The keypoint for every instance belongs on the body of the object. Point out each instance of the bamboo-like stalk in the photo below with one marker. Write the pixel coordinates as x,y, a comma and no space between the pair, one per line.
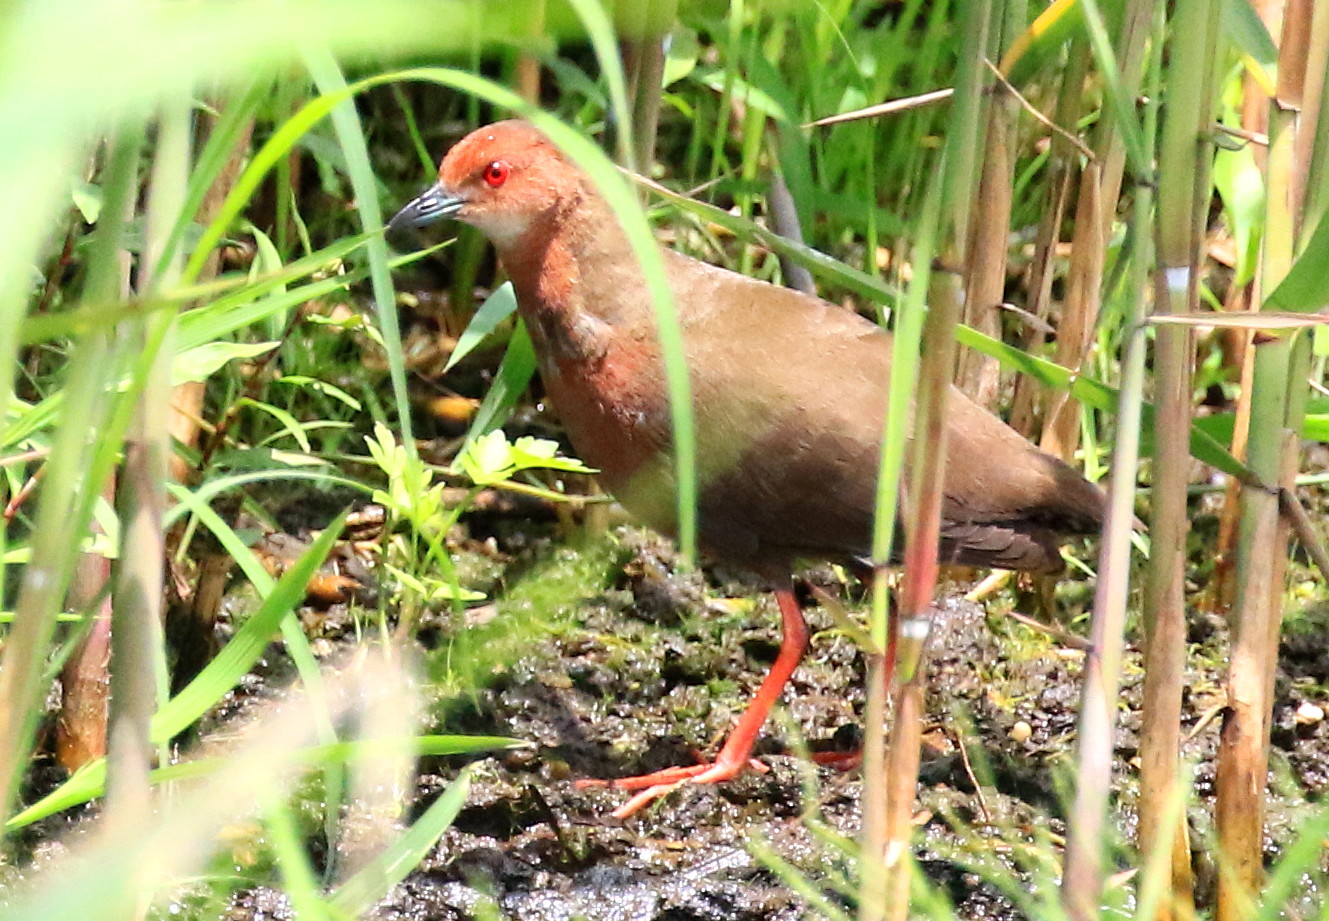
187,399
1242,762
1063,167
901,775
926,490
193,632
1061,424
1082,879
526,79
1241,343
1061,419
1082,885
644,61
888,824
1316,115
1184,191
878,884
872,870
1262,545
80,730
987,243
1221,589
1164,845
137,612
69,485
1313,61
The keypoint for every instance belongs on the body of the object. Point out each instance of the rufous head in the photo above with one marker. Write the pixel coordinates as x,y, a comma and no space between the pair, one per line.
501,179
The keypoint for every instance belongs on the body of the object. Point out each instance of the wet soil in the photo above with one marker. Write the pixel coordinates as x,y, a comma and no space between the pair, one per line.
612,661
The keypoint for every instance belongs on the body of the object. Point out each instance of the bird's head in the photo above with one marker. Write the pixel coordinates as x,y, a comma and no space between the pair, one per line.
501,179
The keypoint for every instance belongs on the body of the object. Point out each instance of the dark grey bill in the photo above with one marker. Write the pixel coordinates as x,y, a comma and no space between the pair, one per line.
434,204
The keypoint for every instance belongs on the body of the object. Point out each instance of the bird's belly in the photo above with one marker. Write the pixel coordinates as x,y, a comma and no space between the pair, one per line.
746,515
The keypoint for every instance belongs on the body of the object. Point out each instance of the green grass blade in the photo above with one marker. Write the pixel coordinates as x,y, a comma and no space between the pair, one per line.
497,307
351,136
605,44
359,893
1305,287
514,373
216,679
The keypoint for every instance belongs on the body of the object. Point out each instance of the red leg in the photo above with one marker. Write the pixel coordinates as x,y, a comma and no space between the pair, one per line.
737,750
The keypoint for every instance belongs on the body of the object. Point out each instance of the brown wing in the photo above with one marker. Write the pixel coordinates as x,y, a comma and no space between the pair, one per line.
790,413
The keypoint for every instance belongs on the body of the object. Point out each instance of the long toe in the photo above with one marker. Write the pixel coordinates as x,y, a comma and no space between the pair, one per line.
666,777
656,784
653,786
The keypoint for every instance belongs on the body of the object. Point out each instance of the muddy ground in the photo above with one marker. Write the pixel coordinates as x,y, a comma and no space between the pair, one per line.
612,662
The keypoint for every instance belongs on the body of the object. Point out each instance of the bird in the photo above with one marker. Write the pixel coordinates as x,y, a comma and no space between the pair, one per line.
789,395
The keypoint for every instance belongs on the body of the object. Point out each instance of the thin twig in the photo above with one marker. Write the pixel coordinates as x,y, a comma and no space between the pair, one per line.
1296,515
1251,137
1206,718
24,457
995,582
973,778
1039,116
1062,636
885,108
696,189
1030,319
15,503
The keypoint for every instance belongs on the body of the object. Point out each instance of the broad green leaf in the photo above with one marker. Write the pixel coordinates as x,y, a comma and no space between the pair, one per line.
1240,184
487,459
514,373
248,643
490,458
433,590
88,200
604,41
751,95
201,362
1306,285
497,307
1314,424
1244,28
1042,41
681,55
321,386
542,453
328,77
90,782
288,422
1119,103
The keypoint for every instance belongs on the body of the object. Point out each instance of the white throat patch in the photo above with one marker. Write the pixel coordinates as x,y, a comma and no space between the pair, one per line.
503,229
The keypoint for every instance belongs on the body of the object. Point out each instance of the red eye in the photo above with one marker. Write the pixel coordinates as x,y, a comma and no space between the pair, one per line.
496,173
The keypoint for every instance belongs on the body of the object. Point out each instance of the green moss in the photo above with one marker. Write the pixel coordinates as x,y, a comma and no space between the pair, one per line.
552,590
542,601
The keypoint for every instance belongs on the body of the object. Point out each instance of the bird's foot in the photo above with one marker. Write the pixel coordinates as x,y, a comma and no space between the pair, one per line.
656,784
